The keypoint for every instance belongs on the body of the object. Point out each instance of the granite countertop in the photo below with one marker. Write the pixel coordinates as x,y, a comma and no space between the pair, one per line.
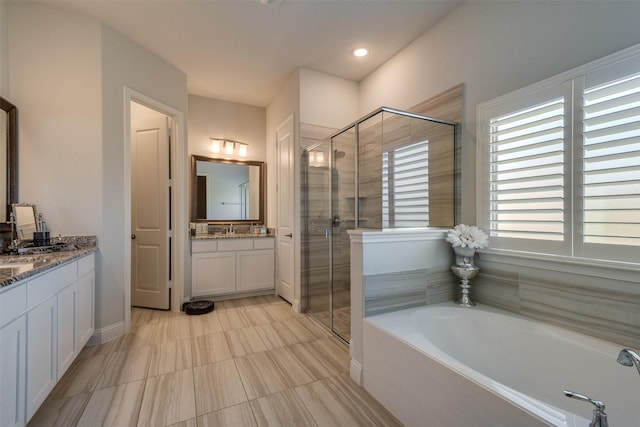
231,236
14,268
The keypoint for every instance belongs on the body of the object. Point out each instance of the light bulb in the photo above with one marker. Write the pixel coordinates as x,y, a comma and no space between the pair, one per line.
243,150
228,147
215,145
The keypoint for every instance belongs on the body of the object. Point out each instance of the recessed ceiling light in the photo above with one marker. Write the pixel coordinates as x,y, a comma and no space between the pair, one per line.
360,52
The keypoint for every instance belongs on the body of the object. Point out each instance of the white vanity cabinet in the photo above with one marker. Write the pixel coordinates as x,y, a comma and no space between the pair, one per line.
13,333
228,266
44,323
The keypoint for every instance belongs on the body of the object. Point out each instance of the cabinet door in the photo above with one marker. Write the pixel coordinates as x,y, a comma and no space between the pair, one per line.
86,302
67,319
12,373
41,353
213,273
255,270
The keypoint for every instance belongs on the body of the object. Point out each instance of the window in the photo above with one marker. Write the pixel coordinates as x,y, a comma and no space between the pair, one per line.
561,164
405,186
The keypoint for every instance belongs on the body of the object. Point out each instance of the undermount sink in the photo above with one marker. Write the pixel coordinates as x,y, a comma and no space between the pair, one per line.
18,267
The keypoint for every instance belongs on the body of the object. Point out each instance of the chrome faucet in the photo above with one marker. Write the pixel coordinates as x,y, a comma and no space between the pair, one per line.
628,357
599,416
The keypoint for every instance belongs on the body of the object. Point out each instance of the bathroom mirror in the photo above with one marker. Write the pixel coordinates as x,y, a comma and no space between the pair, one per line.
24,216
227,191
8,159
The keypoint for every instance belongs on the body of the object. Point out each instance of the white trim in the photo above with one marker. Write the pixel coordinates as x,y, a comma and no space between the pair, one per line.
361,235
179,198
107,333
355,371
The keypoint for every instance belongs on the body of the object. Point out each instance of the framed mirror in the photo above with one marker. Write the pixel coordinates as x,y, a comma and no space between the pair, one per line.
227,191
8,159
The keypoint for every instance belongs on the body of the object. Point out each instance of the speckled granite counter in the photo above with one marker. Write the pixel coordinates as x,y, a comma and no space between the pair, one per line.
231,236
14,268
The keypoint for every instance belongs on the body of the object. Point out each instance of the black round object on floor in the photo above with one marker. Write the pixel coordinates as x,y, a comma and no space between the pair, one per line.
198,307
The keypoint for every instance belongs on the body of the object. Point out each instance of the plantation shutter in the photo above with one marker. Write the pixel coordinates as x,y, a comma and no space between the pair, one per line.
610,163
405,191
527,161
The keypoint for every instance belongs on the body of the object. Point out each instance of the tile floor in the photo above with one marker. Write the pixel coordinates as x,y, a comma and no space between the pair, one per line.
251,362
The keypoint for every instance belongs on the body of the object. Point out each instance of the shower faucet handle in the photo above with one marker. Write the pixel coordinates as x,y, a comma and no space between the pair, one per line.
599,416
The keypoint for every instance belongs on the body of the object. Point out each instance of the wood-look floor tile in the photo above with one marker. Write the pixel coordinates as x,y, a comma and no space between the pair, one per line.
210,348
234,319
175,329
260,374
302,331
301,364
81,377
125,366
168,399
326,407
357,398
114,406
258,301
281,409
205,324
259,315
281,312
218,385
332,351
170,357
244,341
62,412
234,416
191,422
273,335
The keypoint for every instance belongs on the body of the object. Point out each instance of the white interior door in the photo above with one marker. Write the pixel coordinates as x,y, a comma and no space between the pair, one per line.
150,213
285,277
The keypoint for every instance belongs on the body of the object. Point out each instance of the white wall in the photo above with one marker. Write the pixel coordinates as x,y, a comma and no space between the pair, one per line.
68,75
213,118
285,103
327,100
126,64
4,50
496,47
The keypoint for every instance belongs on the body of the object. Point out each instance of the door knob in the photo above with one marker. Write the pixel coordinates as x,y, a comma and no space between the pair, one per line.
133,237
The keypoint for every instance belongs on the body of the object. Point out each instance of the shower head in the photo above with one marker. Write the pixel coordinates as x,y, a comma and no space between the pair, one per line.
628,357
337,155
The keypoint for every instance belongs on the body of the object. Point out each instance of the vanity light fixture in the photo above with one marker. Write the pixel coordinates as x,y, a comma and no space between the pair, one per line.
229,146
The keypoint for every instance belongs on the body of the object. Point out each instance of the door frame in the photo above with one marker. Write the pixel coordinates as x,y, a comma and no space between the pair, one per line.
179,202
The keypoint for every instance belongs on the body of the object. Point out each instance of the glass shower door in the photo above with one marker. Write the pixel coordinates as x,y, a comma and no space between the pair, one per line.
318,220
343,205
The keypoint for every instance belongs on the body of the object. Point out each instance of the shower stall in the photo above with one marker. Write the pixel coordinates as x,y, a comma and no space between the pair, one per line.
390,169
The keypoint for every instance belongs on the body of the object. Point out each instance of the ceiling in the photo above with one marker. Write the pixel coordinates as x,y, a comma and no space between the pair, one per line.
243,50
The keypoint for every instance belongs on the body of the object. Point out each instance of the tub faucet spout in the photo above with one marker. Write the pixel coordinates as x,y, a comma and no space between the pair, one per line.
599,416
628,357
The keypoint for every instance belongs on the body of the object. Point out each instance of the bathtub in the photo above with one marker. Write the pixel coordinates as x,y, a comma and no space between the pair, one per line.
444,365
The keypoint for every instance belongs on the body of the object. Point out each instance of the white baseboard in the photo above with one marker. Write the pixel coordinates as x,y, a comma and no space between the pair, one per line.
107,333
355,371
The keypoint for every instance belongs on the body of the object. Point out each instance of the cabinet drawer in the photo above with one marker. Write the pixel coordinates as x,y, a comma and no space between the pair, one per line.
85,265
235,245
198,246
264,243
50,283
13,303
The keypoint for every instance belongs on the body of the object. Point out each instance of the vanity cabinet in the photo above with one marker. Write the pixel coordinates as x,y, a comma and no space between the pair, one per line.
44,323
13,332
228,266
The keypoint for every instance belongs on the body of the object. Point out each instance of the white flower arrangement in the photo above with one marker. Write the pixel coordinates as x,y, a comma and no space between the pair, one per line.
467,236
